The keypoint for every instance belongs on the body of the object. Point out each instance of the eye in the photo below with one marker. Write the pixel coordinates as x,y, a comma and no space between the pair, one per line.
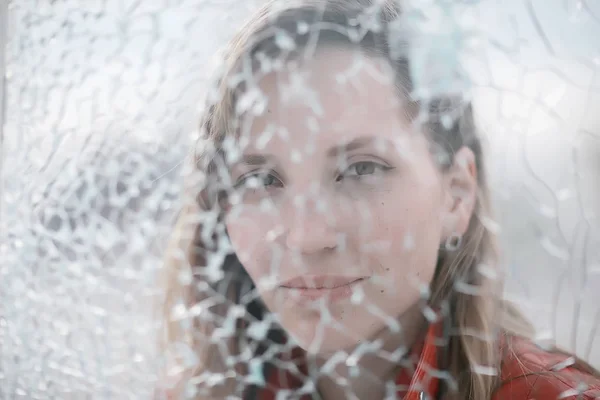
259,179
269,180
362,168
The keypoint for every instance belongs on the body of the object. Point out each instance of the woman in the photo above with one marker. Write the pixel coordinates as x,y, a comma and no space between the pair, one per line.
339,245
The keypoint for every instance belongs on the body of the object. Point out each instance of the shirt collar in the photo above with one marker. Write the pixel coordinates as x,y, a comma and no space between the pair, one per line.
423,384
418,385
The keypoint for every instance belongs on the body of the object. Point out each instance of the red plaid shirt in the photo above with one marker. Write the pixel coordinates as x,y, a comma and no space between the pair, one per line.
527,372
417,385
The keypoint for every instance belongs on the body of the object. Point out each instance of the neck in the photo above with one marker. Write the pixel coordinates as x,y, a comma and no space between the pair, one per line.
366,375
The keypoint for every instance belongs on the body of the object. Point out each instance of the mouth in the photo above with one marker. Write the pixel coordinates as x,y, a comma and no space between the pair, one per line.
333,288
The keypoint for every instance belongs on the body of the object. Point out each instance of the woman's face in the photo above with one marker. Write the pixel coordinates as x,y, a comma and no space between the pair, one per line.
341,208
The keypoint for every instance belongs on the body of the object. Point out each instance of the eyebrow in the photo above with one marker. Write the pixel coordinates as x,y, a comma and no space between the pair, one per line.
254,160
352,145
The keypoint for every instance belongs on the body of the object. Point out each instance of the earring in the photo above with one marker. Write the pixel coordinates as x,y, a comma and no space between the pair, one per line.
453,242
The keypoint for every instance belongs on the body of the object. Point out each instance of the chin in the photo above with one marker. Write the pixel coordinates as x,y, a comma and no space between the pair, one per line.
323,341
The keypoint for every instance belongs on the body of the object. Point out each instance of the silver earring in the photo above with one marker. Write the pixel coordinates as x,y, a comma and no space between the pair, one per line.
453,242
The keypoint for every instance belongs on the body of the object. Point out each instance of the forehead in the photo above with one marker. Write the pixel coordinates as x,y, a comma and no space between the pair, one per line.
336,95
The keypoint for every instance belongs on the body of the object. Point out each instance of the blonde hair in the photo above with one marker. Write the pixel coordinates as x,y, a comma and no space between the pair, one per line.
477,321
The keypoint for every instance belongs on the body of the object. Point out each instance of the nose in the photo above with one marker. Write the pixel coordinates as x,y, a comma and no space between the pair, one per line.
309,229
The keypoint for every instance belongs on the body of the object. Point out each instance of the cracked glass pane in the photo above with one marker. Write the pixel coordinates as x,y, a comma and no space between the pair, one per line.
299,199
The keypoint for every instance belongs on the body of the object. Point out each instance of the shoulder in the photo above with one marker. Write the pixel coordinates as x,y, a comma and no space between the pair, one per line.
530,372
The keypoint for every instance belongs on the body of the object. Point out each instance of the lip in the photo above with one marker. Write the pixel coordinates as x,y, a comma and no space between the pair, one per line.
314,287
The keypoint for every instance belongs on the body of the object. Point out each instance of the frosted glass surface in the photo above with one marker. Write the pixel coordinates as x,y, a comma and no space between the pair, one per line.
101,101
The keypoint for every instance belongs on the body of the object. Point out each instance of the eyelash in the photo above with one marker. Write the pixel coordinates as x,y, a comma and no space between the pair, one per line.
377,167
259,175
262,175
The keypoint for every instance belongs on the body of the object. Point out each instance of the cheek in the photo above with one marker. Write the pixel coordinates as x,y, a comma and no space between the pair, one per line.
412,226
248,232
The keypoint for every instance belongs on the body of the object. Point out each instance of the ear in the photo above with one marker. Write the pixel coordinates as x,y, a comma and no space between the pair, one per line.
460,193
